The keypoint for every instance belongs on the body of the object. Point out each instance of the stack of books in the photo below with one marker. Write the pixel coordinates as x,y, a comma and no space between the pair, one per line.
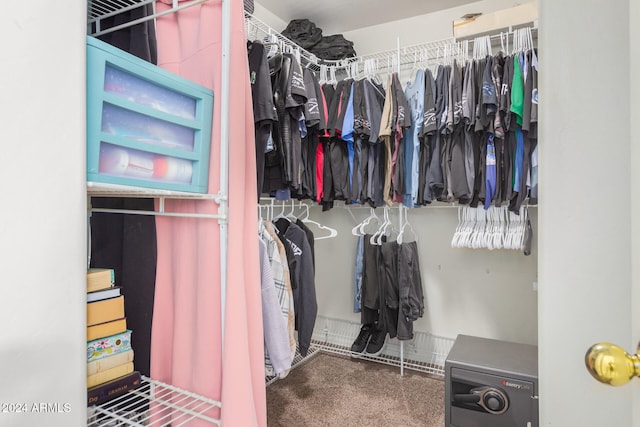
110,371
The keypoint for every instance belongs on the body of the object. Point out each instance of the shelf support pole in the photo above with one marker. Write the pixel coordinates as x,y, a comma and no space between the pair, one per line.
224,154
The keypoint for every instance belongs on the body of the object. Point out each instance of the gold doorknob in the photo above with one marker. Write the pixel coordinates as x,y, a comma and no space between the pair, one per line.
611,365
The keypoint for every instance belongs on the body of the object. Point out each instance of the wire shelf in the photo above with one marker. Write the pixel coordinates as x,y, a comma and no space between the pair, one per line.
401,58
155,403
424,353
98,10
100,189
297,361
257,30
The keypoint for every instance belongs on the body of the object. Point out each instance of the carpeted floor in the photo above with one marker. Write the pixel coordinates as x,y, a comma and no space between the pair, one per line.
335,391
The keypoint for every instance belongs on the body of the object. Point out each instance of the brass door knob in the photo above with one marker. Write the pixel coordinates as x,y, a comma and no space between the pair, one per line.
611,365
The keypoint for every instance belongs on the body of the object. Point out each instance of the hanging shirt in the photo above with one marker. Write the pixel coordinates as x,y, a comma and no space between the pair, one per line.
319,173
505,92
347,134
264,111
517,91
374,102
489,105
468,118
311,107
490,172
427,131
415,100
276,340
402,123
435,179
534,89
519,159
497,70
280,272
304,294
534,176
385,136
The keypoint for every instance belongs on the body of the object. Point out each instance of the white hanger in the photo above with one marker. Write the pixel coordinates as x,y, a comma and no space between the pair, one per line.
469,224
332,73
498,236
455,241
360,229
406,226
376,238
281,214
290,216
332,231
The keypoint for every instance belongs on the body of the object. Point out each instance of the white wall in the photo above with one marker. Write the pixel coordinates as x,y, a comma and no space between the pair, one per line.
43,212
475,292
419,29
586,257
269,18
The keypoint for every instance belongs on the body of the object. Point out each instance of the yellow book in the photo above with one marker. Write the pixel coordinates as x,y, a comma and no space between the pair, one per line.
109,374
105,310
106,329
106,363
100,278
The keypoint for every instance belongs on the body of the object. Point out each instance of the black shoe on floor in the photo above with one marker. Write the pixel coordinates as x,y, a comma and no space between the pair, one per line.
376,343
361,341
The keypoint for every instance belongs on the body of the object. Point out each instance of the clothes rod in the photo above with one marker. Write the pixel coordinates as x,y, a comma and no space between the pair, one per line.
157,213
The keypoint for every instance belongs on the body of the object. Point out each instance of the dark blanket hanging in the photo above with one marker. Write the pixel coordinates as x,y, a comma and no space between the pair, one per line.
127,243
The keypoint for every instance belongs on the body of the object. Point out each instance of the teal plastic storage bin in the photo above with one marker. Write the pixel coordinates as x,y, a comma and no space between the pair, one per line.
146,127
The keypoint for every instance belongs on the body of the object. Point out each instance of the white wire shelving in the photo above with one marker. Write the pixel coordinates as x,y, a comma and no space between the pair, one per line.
155,403
425,353
297,361
98,10
398,59
256,29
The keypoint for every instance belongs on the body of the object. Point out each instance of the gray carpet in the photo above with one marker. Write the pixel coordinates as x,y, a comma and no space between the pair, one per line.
335,391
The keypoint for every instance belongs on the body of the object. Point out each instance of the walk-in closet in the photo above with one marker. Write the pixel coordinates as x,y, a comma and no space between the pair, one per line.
470,283
251,303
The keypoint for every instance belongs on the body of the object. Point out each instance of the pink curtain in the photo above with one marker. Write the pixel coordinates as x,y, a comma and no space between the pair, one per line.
186,346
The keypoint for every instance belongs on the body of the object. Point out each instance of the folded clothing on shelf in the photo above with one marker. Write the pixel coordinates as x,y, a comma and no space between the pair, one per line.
308,36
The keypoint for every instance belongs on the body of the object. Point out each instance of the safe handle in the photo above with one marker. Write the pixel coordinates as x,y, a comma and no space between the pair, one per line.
467,398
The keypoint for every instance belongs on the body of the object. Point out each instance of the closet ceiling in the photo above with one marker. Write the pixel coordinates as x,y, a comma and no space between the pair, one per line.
339,16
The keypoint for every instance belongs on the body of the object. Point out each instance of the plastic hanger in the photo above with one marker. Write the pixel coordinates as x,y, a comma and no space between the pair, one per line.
455,241
360,229
385,230
414,70
281,214
406,226
332,232
323,74
332,75
290,216
374,238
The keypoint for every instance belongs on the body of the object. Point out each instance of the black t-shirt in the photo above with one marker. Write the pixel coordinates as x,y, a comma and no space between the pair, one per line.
311,107
261,91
